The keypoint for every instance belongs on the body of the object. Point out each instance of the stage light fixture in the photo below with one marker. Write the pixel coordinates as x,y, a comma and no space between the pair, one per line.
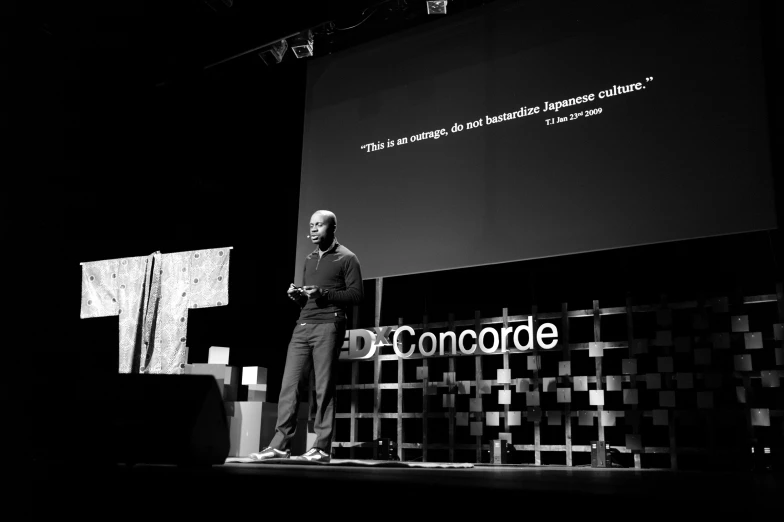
274,53
436,6
302,44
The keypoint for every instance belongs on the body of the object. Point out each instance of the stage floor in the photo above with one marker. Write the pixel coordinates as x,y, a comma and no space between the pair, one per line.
378,492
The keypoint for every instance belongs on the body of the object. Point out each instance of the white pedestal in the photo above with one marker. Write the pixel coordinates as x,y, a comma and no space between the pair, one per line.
218,355
252,426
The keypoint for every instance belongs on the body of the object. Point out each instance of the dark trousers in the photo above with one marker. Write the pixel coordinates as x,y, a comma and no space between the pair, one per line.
316,347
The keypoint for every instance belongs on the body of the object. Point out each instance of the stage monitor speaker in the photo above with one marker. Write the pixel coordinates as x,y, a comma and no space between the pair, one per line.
167,419
385,449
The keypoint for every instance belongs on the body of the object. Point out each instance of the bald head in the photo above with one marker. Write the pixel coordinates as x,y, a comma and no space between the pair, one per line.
322,228
324,216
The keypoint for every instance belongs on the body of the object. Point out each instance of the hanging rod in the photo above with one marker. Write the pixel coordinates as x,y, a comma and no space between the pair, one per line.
80,264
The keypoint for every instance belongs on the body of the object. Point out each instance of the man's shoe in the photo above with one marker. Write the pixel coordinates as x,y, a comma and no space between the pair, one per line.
270,453
314,455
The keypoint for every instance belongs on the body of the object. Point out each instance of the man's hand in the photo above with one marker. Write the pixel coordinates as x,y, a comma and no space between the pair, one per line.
313,291
294,292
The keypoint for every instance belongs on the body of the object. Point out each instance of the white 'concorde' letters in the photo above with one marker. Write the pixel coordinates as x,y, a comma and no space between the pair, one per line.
546,337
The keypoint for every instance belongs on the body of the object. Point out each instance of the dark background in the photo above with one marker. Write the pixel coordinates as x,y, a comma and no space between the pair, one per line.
128,146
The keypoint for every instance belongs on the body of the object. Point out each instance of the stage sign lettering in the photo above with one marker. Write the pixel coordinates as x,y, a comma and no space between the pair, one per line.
406,343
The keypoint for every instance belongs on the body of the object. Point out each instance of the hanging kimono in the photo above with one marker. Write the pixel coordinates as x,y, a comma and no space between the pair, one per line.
151,295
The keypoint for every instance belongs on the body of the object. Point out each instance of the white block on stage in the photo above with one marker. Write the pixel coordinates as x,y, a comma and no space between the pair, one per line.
257,392
251,426
218,355
254,375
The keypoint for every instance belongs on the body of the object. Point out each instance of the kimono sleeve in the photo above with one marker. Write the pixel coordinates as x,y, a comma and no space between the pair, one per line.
209,278
100,289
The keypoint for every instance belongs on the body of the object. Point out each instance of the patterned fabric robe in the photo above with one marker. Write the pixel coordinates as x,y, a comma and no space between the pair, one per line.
152,295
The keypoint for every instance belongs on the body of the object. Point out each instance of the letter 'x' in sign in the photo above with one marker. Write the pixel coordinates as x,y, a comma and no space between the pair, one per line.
382,336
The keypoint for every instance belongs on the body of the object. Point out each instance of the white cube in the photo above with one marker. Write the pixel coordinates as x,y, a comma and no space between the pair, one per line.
254,375
218,355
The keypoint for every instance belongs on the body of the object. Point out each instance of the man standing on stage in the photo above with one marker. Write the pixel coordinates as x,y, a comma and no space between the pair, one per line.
332,281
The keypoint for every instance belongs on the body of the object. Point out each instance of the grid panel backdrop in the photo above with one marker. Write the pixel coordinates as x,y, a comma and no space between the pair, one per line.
666,380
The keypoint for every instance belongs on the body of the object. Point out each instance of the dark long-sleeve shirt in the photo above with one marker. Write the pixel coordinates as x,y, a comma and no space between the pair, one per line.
337,271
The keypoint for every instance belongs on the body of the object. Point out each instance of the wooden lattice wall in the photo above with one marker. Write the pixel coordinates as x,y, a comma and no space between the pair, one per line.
726,362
